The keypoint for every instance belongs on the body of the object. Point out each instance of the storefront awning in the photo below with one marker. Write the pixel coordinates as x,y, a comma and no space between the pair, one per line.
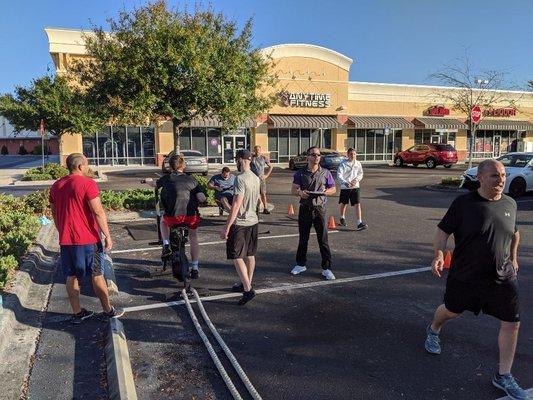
364,122
302,121
505,125
215,122
439,123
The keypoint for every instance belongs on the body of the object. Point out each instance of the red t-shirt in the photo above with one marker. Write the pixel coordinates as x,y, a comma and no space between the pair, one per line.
75,219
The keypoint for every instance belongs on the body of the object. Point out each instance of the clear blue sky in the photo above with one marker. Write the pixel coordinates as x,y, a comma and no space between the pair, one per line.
396,41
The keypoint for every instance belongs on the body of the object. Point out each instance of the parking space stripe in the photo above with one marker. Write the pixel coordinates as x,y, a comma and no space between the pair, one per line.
283,288
210,243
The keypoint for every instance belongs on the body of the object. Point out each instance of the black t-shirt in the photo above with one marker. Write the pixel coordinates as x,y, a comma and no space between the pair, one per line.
483,231
178,194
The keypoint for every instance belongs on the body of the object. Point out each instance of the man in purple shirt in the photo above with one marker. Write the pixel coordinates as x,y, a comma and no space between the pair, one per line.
312,185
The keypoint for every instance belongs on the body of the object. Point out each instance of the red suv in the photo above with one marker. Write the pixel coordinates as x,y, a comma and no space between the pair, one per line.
431,154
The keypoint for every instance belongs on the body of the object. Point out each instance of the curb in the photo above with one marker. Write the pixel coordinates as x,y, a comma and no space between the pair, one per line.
441,188
126,216
102,178
121,385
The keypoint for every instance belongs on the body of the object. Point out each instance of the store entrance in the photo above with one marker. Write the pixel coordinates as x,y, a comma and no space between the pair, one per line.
231,145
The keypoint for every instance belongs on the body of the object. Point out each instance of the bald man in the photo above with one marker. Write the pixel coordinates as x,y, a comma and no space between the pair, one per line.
483,274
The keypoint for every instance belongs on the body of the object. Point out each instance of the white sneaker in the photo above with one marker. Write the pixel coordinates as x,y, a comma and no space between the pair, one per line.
326,273
298,269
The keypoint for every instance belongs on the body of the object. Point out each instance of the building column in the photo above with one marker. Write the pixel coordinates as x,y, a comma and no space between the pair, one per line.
408,138
164,141
69,143
339,136
461,144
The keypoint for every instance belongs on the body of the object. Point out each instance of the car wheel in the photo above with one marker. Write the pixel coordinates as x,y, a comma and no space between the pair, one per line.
431,163
448,166
517,187
398,162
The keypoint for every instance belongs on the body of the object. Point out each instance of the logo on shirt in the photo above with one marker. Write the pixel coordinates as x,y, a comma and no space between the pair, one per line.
507,214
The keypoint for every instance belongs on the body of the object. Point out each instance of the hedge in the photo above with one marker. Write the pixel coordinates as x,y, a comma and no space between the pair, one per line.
50,171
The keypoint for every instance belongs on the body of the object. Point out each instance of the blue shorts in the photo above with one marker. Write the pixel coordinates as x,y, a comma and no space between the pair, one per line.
81,261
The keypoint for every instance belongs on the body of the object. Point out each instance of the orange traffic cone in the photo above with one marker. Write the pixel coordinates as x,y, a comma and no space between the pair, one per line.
291,210
447,259
331,223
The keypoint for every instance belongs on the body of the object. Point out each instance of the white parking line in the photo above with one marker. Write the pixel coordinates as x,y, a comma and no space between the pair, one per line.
209,243
528,391
282,288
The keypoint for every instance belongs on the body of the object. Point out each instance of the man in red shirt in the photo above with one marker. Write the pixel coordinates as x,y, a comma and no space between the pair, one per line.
79,218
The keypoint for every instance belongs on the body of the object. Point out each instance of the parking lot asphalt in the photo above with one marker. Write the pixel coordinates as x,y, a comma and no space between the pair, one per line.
359,339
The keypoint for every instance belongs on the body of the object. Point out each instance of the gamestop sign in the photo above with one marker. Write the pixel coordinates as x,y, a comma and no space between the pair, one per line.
500,112
311,100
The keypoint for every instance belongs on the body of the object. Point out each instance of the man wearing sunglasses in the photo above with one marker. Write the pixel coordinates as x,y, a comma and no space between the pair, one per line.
312,185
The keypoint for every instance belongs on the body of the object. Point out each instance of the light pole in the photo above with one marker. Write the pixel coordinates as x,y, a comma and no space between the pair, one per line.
480,83
387,131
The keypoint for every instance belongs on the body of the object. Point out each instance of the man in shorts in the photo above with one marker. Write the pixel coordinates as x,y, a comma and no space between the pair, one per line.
312,185
223,185
180,195
483,273
241,228
259,165
350,174
80,218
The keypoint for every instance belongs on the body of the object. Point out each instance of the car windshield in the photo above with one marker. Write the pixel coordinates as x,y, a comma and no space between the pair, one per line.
515,160
191,153
444,147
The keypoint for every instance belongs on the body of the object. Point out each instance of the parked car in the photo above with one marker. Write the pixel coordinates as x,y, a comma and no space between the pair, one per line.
330,159
195,162
431,154
518,170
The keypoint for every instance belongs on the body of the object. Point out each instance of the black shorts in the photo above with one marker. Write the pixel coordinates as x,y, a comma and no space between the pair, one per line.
498,300
351,195
242,241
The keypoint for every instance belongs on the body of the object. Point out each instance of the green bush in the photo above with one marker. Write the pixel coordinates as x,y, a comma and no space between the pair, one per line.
50,171
139,199
38,202
7,264
112,200
38,150
22,151
4,150
450,181
209,193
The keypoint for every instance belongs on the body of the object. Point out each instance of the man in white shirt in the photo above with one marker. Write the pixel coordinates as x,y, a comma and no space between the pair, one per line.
349,174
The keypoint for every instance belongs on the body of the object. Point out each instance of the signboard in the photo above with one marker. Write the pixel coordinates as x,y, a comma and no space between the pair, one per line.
311,100
437,111
475,114
500,112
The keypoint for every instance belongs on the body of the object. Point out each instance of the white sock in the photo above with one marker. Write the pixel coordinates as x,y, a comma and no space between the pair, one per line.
194,264
165,241
359,221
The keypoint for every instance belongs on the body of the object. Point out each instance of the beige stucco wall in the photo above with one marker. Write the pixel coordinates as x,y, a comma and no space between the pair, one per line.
70,143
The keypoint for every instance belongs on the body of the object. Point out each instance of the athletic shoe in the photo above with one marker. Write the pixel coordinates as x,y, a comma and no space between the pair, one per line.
237,288
298,269
114,313
166,252
194,274
432,344
342,221
326,273
246,297
81,316
507,383
361,226
265,211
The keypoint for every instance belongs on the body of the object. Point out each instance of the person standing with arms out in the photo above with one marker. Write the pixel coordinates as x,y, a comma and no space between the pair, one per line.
312,185
259,164
223,184
80,218
483,274
180,195
241,228
350,174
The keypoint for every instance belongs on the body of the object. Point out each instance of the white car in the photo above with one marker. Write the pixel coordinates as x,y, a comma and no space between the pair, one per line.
518,169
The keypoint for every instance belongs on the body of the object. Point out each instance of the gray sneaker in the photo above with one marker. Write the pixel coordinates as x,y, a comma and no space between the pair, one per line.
432,344
508,384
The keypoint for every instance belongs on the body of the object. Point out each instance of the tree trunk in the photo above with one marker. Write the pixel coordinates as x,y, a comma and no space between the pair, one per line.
176,132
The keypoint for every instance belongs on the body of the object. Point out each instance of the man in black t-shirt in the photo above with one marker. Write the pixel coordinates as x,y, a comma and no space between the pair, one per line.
180,195
483,273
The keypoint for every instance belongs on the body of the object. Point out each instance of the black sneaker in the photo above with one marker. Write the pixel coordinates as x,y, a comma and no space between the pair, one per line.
194,274
342,221
265,211
361,226
166,252
114,313
237,288
246,297
81,316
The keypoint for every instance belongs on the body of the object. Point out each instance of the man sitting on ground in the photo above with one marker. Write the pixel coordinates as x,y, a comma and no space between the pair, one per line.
180,195
223,185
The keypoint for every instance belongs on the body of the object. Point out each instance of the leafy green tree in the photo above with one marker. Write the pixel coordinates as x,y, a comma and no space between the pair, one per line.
157,64
530,84
52,99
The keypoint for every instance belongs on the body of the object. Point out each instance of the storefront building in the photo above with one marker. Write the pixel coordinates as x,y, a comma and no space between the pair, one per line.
318,105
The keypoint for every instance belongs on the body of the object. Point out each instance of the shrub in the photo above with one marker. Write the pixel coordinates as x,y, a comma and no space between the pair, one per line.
22,151
56,171
450,181
209,193
112,200
7,264
50,171
38,202
4,150
38,150
139,199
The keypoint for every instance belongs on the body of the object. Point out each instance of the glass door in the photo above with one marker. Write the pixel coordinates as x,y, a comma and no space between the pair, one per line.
231,145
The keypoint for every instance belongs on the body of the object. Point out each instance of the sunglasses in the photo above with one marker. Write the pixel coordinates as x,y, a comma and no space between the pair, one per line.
315,155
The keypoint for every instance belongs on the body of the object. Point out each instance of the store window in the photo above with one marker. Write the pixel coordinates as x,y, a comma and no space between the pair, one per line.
286,143
373,144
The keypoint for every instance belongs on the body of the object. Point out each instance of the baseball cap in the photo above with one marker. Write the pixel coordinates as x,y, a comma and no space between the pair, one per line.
244,154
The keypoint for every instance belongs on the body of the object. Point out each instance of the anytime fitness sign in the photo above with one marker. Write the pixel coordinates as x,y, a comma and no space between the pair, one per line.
314,100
